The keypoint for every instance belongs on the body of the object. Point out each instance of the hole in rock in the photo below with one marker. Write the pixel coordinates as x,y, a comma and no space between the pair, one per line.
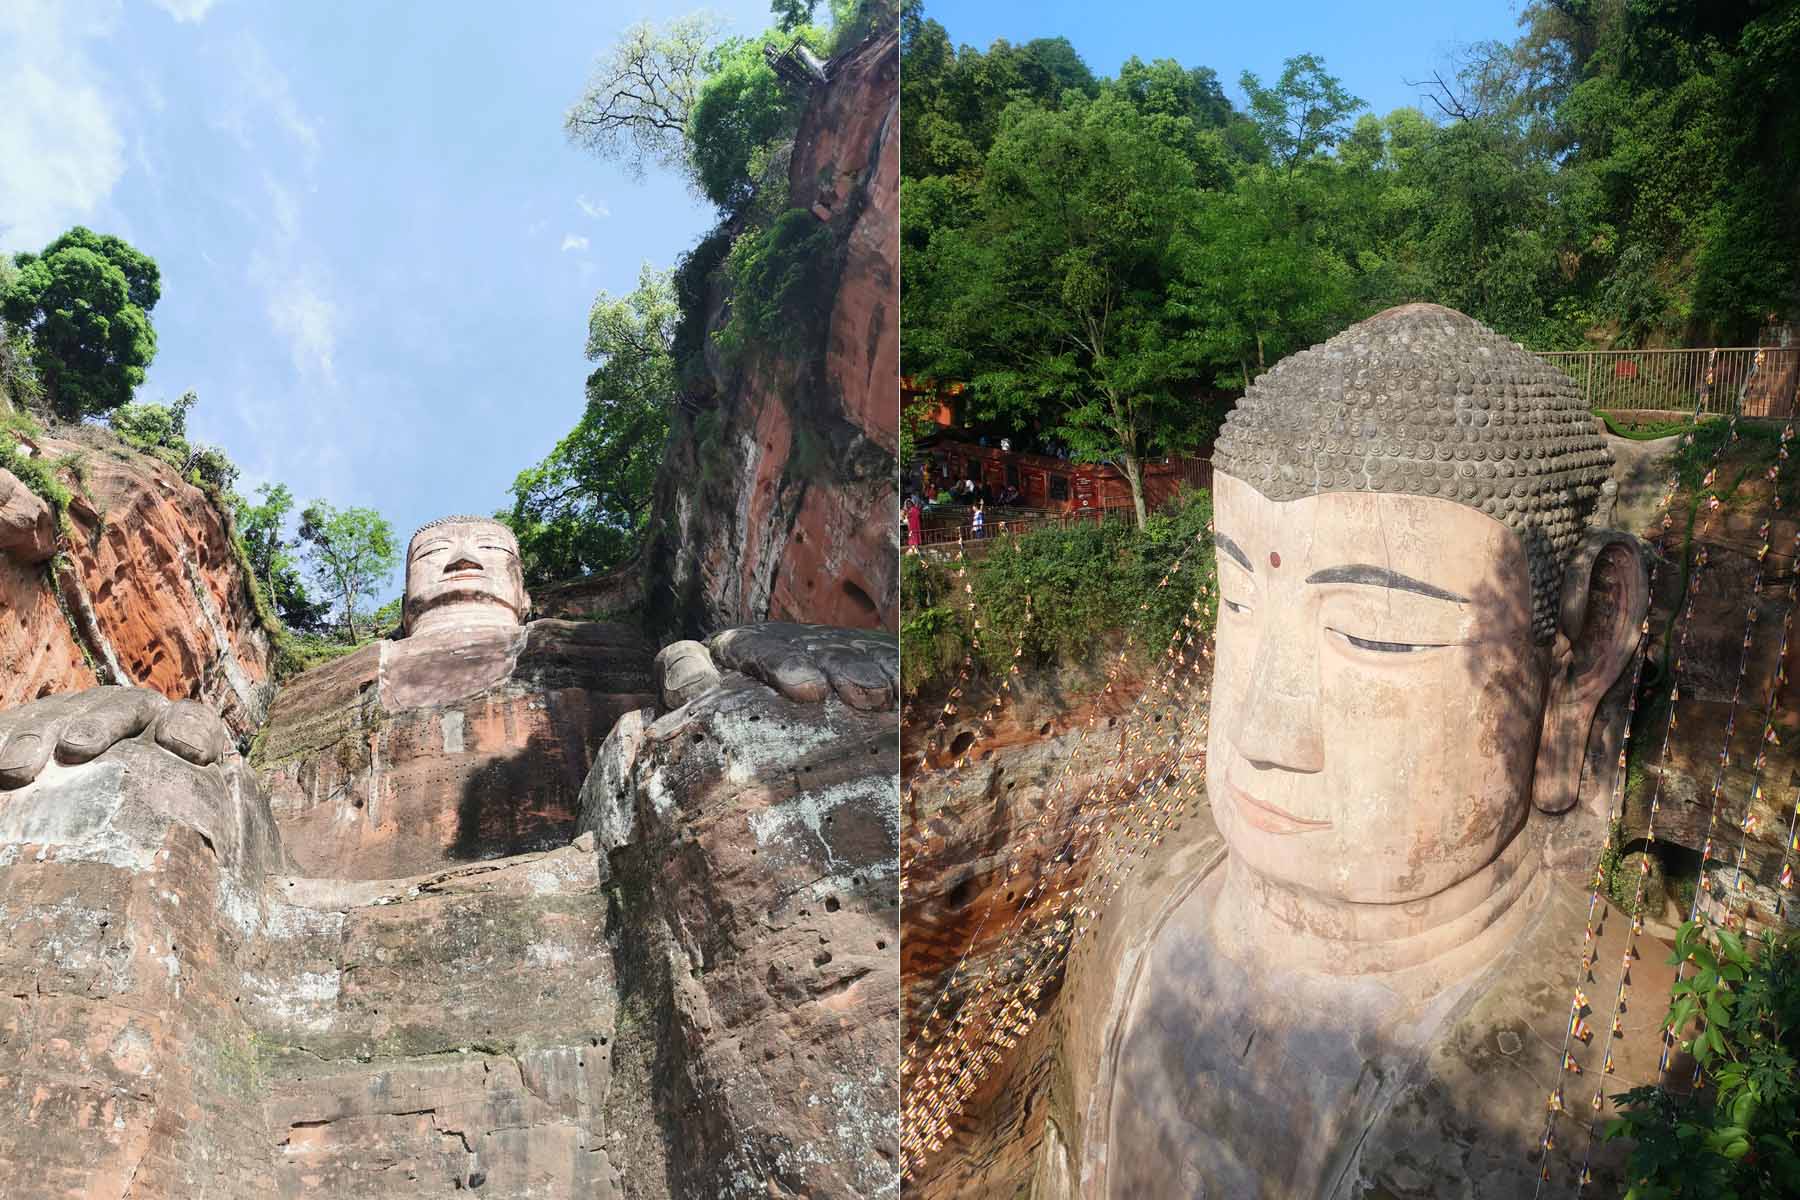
821,958
881,943
963,741
831,904
864,604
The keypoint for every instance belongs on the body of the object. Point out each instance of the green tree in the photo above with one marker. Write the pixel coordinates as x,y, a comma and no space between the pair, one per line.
1306,113
349,552
263,528
583,508
740,115
1062,310
85,300
1256,278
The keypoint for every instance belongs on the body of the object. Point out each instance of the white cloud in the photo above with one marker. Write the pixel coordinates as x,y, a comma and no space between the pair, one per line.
297,295
574,242
284,211
186,10
262,89
61,147
308,320
594,208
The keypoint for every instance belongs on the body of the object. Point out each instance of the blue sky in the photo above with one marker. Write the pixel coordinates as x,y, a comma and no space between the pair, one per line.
1372,47
378,250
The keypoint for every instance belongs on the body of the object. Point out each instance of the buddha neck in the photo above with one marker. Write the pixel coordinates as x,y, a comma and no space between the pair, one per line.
1417,947
462,617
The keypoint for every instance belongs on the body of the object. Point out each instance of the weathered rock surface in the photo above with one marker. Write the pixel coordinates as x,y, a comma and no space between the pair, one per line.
152,593
413,754
762,872
707,1011
27,528
1734,684
796,519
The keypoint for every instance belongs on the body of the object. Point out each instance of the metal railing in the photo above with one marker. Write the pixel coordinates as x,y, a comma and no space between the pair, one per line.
1670,380
941,536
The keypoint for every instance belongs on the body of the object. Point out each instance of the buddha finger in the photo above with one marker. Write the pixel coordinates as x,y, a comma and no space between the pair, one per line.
23,756
111,715
191,731
857,678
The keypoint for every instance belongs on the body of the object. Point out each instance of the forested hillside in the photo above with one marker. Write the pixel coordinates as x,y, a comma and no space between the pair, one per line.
1094,253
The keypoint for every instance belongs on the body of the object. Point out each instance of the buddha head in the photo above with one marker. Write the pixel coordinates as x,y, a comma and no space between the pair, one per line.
463,572
1415,627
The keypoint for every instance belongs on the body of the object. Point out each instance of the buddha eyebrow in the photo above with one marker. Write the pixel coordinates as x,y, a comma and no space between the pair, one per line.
1382,577
1230,547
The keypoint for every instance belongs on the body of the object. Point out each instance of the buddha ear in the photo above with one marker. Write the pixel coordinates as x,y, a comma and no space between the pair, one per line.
1598,628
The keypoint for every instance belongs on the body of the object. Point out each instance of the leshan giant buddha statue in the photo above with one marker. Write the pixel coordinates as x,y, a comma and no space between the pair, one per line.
1352,977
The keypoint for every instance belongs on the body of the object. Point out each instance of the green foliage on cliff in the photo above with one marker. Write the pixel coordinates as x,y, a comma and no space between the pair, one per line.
1737,1008
85,302
1087,585
739,113
32,470
781,284
160,430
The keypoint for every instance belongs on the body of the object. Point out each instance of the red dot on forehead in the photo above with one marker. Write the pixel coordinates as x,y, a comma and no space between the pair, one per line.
1274,559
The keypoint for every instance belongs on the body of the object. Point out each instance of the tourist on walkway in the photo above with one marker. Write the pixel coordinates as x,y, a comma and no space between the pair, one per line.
914,526
979,522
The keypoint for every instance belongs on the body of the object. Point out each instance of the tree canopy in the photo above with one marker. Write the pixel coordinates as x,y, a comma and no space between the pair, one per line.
85,302
1619,175
581,509
349,552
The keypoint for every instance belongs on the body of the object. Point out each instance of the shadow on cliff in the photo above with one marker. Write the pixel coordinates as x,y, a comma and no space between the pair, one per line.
528,800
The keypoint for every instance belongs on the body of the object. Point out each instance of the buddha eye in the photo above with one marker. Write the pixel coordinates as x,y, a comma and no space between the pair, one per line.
1380,647
432,549
1234,606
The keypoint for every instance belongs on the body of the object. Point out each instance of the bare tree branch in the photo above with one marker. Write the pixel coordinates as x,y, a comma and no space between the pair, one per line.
634,110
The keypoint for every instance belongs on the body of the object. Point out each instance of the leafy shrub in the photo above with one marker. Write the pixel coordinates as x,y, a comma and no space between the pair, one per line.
32,470
1737,1135
1089,585
742,109
693,286
781,284
160,430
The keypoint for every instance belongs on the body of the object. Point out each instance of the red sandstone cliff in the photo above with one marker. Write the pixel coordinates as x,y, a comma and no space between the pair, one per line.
146,590
792,515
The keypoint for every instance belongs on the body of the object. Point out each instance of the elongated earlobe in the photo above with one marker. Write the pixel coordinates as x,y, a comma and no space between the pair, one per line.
1604,597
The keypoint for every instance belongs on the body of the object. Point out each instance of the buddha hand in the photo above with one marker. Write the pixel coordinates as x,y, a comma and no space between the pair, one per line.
80,726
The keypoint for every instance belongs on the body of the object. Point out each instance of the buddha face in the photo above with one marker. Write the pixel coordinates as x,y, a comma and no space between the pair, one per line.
464,572
1378,696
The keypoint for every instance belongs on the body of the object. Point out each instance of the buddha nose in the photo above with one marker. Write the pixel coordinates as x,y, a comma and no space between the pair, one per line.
1278,721
461,564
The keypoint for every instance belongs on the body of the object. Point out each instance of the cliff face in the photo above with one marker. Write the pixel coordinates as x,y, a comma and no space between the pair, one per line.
147,590
204,995
786,508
